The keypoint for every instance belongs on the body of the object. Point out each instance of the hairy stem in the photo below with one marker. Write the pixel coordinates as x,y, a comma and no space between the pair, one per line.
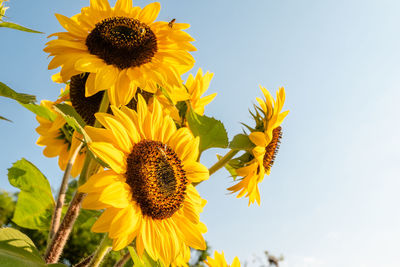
85,262
55,222
123,260
101,252
58,241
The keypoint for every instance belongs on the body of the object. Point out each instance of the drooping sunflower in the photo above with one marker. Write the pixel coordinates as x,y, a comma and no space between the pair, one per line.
122,48
147,193
266,137
60,140
219,261
196,87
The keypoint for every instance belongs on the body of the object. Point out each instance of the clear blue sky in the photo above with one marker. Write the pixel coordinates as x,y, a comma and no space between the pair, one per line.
332,197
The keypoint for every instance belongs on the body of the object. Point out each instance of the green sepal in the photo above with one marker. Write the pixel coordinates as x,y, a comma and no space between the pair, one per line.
165,93
72,118
65,93
241,142
229,167
212,132
237,163
144,261
20,97
41,111
35,201
17,27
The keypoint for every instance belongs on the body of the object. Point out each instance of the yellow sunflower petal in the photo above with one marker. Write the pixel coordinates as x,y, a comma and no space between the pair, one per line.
106,77
150,12
109,154
120,136
196,172
102,224
258,138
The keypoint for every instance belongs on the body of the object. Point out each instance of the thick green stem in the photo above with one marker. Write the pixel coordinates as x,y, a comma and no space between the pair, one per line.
221,163
101,252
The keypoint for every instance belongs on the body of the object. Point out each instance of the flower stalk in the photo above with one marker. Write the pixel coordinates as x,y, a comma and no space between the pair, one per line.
123,260
55,222
57,243
224,160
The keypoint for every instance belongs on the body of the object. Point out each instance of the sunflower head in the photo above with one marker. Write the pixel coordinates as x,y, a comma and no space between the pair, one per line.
122,48
147,193
123,42
266,137
59,139
219,261
268,133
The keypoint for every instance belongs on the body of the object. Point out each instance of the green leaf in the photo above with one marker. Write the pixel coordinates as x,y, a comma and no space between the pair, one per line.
72,118
18,250
35,201
211,131
17,27
241,142
2,118
41,111
10,93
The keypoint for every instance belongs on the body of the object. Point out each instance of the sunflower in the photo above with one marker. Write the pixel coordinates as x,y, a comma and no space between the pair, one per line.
196,87
59,140
122,48
147,192
266,138
219,261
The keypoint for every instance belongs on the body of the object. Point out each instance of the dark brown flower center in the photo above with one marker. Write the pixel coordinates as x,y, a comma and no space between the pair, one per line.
272,149
85,106
88,106
157,179
122,42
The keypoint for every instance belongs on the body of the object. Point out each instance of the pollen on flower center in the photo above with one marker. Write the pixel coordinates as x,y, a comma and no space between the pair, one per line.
122,42
156,178
272,149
